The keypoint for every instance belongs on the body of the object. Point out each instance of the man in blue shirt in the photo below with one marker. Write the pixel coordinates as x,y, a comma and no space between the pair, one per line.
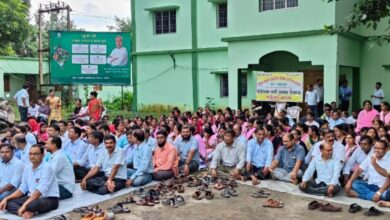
11,171
38,192
328,170
140,161
109,173
259,154
335,120
74,147
22,145
345,95
288,161
63,169
187,147
95,148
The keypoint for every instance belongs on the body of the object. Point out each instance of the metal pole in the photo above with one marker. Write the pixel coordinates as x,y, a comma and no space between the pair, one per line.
123,106
40,52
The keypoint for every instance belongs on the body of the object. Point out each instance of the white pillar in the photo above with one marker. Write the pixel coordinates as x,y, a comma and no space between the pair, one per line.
331,83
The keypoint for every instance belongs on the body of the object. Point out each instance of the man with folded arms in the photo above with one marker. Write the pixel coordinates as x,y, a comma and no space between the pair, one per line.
11,171
328,172
288,161
165,158
229,157
38,192
376,187
109,173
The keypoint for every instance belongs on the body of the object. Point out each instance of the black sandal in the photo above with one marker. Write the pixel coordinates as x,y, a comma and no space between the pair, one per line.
373,212
353,208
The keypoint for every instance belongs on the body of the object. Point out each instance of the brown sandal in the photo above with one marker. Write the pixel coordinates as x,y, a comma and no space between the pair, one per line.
197,195
271,203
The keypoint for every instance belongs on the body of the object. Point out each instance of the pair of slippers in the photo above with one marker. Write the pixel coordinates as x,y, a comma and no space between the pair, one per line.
327,207
272,203
207,195
119,209
227,193
260,194
174,202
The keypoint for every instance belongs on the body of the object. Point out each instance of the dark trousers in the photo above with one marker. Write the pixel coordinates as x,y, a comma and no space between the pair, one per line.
163,175
80,172
314,109
193,166
23,113
64,193
377,107
41,205
344,106
320,189
320,108
255,171
97,184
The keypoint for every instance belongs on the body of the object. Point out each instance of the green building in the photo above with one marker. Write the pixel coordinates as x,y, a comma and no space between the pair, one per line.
187,50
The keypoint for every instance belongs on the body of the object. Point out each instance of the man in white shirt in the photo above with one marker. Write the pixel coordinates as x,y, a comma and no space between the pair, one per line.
118,56
22,99
312,99
33,109
377,96
320,92
63,169
376,187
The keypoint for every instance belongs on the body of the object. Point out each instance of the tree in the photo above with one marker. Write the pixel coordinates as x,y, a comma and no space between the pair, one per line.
121,24
368,13
14,26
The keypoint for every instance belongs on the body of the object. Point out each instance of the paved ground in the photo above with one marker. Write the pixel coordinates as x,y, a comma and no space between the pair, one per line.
242,207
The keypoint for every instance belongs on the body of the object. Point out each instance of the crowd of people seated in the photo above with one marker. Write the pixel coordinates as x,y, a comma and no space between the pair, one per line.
42,161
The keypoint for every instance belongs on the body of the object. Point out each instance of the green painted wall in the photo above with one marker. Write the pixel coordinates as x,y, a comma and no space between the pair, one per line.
148,41
159,83
372,71
245,18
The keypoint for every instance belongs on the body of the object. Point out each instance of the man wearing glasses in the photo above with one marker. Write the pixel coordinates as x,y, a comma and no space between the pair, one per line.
357,157
39,190
376,187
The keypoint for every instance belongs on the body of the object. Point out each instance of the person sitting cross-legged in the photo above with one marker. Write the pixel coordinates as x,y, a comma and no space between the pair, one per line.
109,173
11,171
188,149
377,167
260,152
95,148
328,170
229,157
39,190
140,161
63,169
165,158
288,161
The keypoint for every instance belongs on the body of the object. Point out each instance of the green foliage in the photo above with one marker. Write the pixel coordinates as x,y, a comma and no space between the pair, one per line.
210,102
368,13
122,25
14,26
116,104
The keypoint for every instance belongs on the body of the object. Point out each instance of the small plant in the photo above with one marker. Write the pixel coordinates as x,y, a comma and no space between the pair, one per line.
210,102
116,104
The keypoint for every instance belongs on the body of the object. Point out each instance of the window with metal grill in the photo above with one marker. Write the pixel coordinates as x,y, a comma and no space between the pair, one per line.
165,22
222,18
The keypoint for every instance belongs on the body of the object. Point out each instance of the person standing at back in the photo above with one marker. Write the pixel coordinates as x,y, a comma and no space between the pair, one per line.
377,96
22,98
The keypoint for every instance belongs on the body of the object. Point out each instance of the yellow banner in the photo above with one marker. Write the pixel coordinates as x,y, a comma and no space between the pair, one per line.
279,87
